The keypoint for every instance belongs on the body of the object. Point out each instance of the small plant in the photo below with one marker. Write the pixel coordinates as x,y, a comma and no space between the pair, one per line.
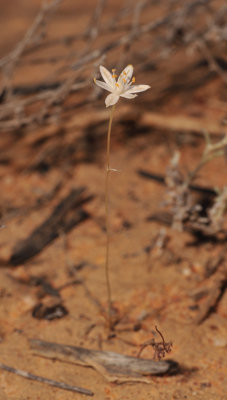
122,86
180,199
160,348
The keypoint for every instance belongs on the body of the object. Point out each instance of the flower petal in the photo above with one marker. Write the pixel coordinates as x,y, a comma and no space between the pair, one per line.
111,99
107,76
103,85
137,88
127,73
128,95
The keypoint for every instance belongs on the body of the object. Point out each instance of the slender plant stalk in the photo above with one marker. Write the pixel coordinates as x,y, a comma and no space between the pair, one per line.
107,217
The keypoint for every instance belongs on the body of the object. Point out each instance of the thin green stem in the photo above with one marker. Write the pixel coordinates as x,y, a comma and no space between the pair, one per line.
107,217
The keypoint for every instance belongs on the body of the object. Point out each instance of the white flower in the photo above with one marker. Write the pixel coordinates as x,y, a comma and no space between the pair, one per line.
122,87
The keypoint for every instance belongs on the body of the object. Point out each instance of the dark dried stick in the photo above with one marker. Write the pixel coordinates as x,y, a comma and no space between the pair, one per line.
213,264
161,179
63,218
60,385
211,304
215,295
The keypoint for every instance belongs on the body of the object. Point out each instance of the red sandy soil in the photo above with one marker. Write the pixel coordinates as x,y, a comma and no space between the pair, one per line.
156,289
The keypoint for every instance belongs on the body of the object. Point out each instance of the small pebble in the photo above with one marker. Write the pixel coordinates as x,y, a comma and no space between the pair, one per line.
219,341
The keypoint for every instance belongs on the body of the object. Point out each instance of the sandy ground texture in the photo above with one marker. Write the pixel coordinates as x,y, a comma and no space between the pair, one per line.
52,238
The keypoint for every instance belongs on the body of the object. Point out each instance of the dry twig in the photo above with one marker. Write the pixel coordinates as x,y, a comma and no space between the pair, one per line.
175,30
51,382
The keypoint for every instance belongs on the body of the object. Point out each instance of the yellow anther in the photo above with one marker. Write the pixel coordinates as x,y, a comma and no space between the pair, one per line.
124,80
114,76
116,84
124,73
133,79
113,70
95,80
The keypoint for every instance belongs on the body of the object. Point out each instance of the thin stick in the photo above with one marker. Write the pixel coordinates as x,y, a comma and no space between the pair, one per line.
108,169
37,378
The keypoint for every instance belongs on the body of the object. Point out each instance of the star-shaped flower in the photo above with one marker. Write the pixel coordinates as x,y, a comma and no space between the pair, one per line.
122,87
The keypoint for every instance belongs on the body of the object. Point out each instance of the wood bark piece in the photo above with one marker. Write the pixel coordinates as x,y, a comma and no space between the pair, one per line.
214,297
161,179
62,219
114,367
